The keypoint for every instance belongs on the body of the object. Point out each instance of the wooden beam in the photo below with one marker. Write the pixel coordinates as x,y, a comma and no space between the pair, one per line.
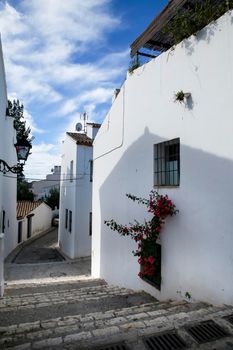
145,54
158,44
157,24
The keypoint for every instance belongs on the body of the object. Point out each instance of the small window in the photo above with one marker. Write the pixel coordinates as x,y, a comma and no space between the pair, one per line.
66,219
90,224
70,221
91,170
167,163
3,221
155,249
20,227
71,171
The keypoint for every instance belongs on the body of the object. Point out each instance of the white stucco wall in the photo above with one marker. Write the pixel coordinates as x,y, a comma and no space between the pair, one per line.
196,244
7,184
75,196
67,195
41,221
92,130
82,240
7,153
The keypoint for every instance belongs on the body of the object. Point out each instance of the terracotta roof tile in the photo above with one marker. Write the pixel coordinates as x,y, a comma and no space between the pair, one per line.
25,207
81,139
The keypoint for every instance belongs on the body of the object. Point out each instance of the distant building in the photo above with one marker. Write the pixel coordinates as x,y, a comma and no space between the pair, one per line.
33,218
42,188
75,226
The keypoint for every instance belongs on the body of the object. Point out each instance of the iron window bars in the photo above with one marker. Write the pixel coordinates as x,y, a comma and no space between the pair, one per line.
167,163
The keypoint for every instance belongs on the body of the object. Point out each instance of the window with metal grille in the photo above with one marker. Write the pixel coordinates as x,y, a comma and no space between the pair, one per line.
70,220
66,219
155,250
167,163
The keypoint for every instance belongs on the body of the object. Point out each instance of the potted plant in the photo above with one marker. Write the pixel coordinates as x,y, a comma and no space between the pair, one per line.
180,96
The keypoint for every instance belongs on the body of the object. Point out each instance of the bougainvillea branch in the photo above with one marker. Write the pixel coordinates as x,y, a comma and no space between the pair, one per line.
146,234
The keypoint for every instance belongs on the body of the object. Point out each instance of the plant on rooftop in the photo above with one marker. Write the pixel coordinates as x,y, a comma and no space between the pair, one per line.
146,234
181,95
194,17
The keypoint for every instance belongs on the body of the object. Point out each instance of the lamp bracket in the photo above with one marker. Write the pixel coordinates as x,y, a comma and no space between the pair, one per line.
5,168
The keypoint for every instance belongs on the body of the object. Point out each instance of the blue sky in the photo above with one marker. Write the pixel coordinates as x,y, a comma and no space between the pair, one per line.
66,57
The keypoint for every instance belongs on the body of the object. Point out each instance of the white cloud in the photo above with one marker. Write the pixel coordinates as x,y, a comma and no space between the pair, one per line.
46,45
43,158
40,39
31,123
72,20
12,20
98,95
42,148
69,106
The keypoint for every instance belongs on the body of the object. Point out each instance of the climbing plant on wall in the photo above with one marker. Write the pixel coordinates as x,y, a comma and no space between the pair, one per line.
146,234
194,17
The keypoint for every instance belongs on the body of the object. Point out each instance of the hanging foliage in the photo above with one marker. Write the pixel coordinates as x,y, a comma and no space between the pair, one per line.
146,234
194,17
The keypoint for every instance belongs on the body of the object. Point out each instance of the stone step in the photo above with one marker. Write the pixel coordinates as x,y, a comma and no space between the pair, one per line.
37,300
61,303
31,288
94,328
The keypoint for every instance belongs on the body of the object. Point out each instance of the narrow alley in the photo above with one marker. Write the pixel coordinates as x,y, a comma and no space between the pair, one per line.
116,171
40,262
52,303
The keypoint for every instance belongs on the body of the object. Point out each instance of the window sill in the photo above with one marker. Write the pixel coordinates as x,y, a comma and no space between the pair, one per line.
166,186
152,283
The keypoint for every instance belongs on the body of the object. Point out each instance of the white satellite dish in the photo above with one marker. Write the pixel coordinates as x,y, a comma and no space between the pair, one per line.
78,127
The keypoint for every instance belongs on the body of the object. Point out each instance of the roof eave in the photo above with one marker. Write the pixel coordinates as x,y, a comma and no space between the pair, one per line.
156,25
83,144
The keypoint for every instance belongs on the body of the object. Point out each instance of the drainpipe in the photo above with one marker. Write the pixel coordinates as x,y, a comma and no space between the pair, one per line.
1,264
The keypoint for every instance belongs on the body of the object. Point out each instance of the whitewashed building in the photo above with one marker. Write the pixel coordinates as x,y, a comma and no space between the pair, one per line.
8,237
42,188
196,244
75,222
33,218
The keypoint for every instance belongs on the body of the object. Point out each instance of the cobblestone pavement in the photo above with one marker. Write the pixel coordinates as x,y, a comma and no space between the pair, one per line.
31,265
43,249
41,310
47,272
89,314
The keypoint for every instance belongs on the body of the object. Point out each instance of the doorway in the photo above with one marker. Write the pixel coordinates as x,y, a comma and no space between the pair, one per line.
29,226
20,229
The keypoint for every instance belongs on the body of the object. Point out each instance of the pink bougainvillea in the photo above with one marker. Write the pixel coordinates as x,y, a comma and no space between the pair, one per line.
160,206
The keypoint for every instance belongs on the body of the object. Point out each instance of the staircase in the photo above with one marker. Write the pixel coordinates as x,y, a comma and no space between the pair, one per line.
92,315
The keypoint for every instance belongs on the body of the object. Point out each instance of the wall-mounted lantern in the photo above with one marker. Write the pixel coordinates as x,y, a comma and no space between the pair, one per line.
22,149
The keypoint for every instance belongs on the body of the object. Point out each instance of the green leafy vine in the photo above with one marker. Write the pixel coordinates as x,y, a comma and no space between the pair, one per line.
194,17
